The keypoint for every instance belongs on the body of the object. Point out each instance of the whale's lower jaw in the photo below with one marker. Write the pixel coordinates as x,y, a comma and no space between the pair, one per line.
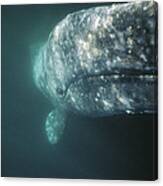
102,95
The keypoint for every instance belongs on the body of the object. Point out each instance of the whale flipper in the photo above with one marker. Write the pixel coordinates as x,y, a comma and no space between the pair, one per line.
54,125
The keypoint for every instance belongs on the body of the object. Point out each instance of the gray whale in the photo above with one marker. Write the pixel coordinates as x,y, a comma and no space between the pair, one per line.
98,62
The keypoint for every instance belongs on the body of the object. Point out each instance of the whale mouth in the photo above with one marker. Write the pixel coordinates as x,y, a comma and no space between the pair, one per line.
108,93
124,74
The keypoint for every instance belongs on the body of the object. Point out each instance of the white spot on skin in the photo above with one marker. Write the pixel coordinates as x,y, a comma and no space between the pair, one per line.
128,112
96,99
98,94
73,99
73,75
138,27
129,29
97,71
102,77
112,36
90,37
107,105
114,61
143,57
116,76
129,51
141,76
124,101
117,15
145,8
108,63
129,41
118,59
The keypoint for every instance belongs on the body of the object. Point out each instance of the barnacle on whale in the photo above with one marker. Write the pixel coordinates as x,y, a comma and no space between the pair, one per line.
100,61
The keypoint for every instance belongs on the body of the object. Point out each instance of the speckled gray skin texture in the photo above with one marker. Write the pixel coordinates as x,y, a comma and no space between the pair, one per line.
99,62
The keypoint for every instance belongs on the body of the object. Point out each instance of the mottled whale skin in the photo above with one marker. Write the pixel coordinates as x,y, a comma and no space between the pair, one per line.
98,62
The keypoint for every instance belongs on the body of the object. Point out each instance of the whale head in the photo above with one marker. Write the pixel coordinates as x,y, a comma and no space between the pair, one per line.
100,61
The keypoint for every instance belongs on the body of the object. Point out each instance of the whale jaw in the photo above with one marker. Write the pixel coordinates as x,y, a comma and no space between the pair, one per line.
103,95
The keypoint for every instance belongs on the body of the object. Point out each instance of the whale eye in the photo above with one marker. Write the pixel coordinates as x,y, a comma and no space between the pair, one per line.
60,91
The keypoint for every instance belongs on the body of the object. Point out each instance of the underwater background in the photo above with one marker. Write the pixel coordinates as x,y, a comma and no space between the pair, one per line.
118,147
